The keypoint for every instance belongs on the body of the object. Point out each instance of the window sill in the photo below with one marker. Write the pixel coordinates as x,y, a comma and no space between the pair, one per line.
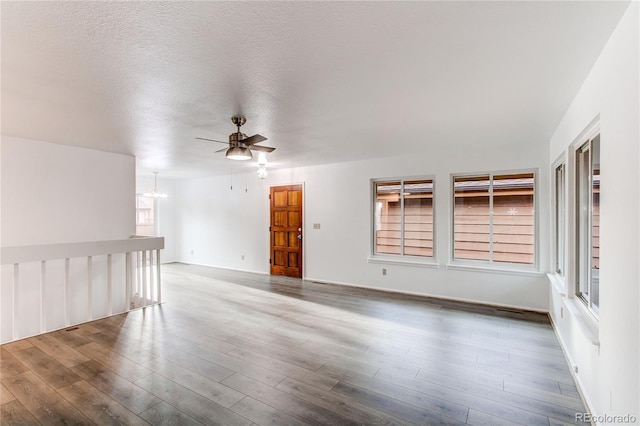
585,320
427,263
558,284
527,272
587,323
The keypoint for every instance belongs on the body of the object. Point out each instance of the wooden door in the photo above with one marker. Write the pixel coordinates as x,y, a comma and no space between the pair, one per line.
286,230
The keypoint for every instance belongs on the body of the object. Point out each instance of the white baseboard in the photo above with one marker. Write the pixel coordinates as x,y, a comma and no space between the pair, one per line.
433,296
221,267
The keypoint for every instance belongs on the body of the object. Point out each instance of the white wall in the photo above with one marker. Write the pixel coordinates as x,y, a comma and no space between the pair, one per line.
220,225
61,194
165,213
57,194
609,376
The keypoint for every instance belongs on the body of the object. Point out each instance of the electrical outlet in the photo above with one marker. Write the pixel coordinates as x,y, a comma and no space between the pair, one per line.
575,368
242,257
384,271
316,226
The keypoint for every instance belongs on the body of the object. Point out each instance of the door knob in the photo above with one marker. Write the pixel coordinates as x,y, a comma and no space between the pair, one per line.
299,236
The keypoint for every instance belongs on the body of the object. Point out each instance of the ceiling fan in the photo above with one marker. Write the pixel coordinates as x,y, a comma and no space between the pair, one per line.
240,145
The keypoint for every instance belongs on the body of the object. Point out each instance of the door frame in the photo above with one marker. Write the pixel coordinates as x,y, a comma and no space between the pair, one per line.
304,221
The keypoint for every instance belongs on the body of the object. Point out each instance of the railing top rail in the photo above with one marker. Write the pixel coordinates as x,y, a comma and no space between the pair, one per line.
35,253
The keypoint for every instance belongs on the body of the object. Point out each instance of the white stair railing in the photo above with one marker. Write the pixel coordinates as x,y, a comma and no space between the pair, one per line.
61,289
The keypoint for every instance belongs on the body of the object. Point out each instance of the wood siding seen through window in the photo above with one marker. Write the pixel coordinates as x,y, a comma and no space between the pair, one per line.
404,218
145,216
494,218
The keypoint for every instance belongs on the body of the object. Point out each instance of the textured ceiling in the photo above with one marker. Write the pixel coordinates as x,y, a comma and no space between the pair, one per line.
325,82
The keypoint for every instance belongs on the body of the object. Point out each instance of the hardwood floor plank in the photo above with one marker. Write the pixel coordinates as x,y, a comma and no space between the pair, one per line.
362,363
299,408
452,376
116,362
164,414
9,364
395,407
569,389
5,395
263,414
345,407
556,422
17,346
480,403
13,413
42,401
120,389
544,396
134,347
212,343
478,418
448,408
200,408
48,369
97,406
199,365
195,382
72,336
307,361
248,369
58,350
532,369
302,374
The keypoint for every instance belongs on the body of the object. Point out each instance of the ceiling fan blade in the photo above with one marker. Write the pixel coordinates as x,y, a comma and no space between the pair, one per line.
220,150
253,140
262,148
212,140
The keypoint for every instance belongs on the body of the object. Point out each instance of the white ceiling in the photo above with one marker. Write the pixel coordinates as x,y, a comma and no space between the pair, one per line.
324,81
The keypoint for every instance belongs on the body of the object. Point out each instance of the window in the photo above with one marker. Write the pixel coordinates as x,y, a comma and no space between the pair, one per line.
559,218
403,217
494,218
145,216
588,223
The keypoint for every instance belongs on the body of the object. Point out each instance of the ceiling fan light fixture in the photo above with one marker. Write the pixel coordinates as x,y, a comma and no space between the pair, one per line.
239,153
240,144
262,172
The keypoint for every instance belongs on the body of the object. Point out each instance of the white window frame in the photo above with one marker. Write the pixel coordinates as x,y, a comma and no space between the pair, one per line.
387,258
577,147
491,265
559,235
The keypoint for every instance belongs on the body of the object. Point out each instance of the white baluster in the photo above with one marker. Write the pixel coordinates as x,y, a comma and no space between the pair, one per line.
43,280
144,278
109,291
151,280
127,272
66,293
16,299
89,288
159,282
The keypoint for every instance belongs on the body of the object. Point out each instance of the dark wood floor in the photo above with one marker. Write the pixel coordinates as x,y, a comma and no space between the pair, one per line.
238,348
